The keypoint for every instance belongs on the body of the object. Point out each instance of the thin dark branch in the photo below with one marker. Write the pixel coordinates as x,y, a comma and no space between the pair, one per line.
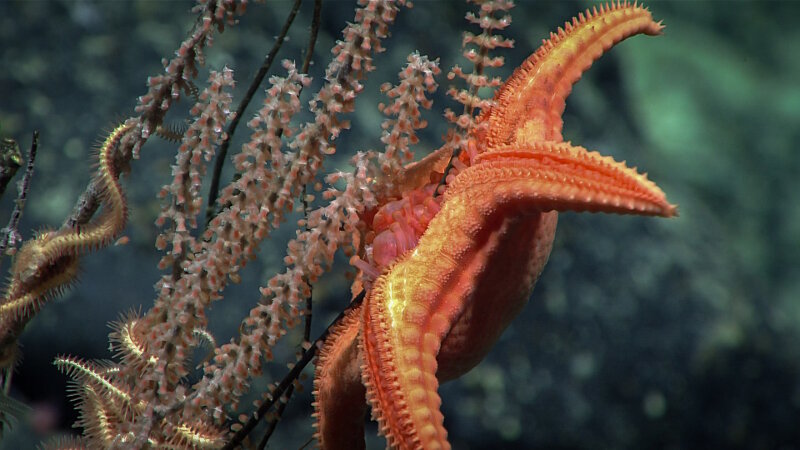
307,443
312,38
222,154
10,233
290,378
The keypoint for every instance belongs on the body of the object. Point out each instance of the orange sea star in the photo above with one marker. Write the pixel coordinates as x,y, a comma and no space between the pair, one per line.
435,312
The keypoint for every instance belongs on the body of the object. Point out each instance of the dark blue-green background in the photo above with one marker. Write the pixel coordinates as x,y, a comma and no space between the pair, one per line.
642,333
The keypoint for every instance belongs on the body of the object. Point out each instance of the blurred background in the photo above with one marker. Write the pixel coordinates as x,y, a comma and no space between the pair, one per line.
642,333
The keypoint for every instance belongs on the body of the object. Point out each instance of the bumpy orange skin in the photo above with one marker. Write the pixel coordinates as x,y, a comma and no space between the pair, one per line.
436,312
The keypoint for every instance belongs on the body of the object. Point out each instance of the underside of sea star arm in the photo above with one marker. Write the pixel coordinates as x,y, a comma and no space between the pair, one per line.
530,104
340,404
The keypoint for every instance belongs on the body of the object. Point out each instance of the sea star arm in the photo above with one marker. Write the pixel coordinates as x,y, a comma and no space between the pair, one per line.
340,401
557,176
530,103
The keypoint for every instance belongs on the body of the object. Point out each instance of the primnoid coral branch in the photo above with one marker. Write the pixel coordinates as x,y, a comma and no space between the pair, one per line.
492,18
403,118
251,90
183,201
